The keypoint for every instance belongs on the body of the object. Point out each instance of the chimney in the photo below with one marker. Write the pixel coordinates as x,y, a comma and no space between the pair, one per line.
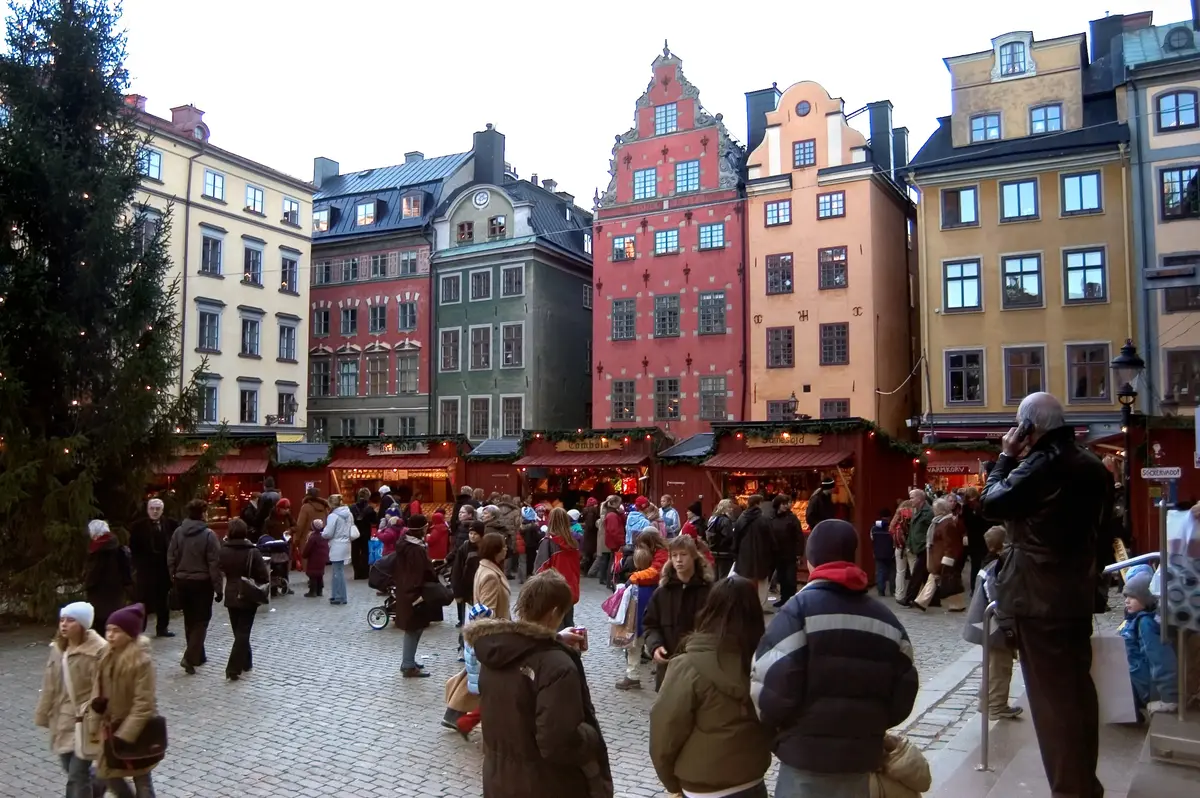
758,105
881,136
135,101
1104,30
413,157
186,118
550,185
324,170
533,178
900,147
489,156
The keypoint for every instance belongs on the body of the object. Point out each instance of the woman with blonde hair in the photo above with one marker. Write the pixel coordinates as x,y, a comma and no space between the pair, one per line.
720,536
559,551
682,590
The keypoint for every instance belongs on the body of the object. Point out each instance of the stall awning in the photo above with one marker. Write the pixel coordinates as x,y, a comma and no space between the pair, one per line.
775,460
226,465
582,460
399,463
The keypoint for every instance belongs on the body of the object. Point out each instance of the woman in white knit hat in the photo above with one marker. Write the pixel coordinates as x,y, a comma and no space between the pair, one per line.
66,689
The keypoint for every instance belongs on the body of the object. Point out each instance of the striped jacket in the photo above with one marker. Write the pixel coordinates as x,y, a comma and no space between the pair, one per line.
833,672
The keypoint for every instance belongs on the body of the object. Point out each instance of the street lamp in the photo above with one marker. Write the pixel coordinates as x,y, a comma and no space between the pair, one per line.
1127,367
789,409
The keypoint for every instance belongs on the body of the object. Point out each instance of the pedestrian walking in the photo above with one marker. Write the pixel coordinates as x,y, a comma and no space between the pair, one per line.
124,703
705,738
437,540
589,521
883,548
149,538
915,556
899,527
1054,504
240,560
412,572
832,674
66,690
340,531
788,539
559,551
491,587
942,558
613,534
683,588
976,526
649,557
365,520
108,573
542,739
193,558
316,557
755,546
312,507
464,563
719,535
820,505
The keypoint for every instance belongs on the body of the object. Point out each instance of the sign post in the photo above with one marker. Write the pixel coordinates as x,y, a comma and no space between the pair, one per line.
1167,474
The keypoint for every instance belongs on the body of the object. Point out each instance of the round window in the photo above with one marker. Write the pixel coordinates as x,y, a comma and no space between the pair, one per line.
802,108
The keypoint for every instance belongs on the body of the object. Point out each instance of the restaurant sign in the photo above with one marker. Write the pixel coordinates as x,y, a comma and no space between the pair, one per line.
397,447
784,439
952,468
588,445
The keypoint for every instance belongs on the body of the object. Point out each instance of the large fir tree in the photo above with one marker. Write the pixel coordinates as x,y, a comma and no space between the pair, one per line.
89,338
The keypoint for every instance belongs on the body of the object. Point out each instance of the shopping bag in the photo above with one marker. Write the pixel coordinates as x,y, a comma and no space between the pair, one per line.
374,550
1110,674
928,591
613,602
624,634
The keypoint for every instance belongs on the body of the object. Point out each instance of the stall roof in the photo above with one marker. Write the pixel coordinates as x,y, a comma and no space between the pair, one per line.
495,447
415,462
226,465
696,446
302,452
775,459
582,459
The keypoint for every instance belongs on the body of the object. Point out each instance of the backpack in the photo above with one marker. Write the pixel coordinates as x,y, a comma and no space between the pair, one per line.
380,575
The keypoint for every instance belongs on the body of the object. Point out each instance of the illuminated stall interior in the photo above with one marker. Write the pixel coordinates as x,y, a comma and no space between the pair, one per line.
431,474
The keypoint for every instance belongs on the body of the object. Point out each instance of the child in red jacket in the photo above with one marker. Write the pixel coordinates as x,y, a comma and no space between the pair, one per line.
316,557
437,540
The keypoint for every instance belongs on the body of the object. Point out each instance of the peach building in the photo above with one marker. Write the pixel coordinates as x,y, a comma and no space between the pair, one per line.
831,265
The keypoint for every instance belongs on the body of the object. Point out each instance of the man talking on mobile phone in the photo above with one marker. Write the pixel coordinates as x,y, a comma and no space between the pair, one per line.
1053,497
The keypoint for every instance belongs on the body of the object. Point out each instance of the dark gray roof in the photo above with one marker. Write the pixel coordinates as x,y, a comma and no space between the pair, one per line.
496,447
1147,46
695,446
302,452
368,181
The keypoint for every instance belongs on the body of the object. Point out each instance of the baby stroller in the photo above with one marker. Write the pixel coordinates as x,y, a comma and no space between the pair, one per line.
380,578
278,551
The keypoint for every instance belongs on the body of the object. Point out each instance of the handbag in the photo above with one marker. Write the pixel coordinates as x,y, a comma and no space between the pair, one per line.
145,752
436,594
250,591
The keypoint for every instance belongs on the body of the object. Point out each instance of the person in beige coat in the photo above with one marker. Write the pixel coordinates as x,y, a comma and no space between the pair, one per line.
66,690
491,585
123,699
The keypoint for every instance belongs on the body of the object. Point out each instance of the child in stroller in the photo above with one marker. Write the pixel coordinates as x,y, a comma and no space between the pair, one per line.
278,551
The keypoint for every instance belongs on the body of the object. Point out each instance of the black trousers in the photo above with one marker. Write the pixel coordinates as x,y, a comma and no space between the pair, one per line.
785,572
196,598
156,597
241,621
606,568
359,556
1056,662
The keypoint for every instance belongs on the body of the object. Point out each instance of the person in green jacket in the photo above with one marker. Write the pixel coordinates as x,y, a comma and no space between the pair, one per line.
918,533
705,737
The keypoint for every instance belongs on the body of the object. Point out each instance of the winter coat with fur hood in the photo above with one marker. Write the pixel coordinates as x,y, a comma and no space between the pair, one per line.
126,679
541,738
55,710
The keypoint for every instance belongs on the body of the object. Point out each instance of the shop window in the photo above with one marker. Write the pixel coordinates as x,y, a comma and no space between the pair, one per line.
1180,193
376,427
1024,372
835,408
481,348
964,377
448,416
348,428
835,344
320,383
1088,370
712,398
377,375
622,400
666,399
1085,276
377,318
408,425
779,274
450,349
781,347
348,376
961,285
960,207
481,417
831,266
408,369
248,405
512,416
1081,194
712,313
666,316
623,319
831,205
624,248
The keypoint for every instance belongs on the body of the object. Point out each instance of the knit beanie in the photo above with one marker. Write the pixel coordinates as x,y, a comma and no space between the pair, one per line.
317,525
439,517
641,502
832,540
695,509
129,620
1137,586
417,523
81,612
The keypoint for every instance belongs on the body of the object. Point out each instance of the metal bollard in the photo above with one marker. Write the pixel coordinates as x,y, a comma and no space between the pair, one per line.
988,615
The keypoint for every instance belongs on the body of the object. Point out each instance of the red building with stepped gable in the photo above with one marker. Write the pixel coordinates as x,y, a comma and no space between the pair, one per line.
669,255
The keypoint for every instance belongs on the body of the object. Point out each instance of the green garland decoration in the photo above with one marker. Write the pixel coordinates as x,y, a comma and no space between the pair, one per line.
964,446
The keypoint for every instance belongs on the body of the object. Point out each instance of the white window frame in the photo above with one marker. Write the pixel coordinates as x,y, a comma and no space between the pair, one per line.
671,233
407,421
294,258
524,343
457,400
458,360
406,205
442,288
256,199
206,232
588,296
321,216
503,431
252,246
488,433
219,312
150,171
215,386
284,205
471,328
587,243
217,181
360,216
256,319
669,118
254,388
470,285
509,267
400,315
295,328
653,184
372,313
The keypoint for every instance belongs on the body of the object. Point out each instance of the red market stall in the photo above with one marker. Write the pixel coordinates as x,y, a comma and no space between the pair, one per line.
681,474
490,466
429,466
569,467
949,467
237,475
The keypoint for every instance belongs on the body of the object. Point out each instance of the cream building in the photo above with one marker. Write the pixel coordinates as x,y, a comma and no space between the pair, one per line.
239,247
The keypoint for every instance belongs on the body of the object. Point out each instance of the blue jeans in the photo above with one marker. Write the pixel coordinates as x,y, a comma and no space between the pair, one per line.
337,590
143,787
79,776
885,575
794,783
408,658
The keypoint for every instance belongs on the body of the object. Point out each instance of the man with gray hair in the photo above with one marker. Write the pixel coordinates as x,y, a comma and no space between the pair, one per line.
1053,504
149,538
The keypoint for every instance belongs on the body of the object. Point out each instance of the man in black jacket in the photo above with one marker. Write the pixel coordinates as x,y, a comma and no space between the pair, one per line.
1053,503
193,558
789,546
820,505
755,547
266,507
149,538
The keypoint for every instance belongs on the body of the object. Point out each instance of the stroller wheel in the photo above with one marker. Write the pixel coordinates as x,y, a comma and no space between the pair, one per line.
377,618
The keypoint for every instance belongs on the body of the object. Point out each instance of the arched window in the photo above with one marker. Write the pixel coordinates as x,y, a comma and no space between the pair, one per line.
1176,110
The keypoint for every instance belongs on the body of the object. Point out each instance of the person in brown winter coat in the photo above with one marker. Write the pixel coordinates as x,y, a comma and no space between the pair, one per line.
541,738
945,547
312,507
412,571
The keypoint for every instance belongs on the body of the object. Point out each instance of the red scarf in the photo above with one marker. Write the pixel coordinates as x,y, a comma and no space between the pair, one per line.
98,543
846,574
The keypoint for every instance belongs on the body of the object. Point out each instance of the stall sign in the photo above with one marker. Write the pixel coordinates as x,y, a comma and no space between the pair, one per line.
588,445
198,449
784,439
399,447
951,468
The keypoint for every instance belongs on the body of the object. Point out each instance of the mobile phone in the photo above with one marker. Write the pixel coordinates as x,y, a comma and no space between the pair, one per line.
1024,430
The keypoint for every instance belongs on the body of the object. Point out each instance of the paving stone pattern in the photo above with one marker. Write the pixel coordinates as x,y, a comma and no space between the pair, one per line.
933,728
325,714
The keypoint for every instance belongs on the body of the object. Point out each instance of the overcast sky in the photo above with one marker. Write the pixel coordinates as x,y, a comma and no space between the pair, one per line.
364,81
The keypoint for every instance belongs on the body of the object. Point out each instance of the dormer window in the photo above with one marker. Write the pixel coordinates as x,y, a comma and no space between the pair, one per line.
321,220
365,213
497,227
466,232
1012,59
411,207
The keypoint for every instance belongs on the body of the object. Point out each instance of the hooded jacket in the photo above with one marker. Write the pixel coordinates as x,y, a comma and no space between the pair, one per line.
614,530
240,558
507,522
918,529
194,554
541,738
339,531
54,709
671,615
126,679
704,734
754,544
311,508
635,522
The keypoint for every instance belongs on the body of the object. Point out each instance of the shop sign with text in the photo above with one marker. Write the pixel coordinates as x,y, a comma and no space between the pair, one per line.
784,439
398,447
588,445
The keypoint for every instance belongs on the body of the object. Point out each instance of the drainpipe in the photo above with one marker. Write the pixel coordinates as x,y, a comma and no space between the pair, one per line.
187,229
1150,346
431,344
1125,236
745,310
924,310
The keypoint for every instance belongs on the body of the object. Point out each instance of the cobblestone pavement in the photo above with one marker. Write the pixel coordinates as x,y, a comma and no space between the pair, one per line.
325,715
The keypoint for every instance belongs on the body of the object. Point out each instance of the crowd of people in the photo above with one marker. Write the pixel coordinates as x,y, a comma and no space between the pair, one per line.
818,683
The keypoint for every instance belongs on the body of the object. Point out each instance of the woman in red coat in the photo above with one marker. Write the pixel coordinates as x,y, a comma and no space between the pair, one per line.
614,537
438,539
559,551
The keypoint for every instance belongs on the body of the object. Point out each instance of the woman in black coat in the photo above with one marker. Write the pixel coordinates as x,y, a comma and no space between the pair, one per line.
108,573
686,581
413,570
240,558
366,519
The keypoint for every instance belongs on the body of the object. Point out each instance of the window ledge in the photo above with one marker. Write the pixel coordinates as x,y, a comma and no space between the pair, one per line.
1072,214
286,223
1040,306
668,252
289,292
249,356
1100,401
1068,303
286,360
1021,219
213,275
833,287
253,212
213,199
788,366
846,363
251,284
780,293
833,216
156,181
956,311
204,351
965,404
711,249
960,226
1180,218
777,224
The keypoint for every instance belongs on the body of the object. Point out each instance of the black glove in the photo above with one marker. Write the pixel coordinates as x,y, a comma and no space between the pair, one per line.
99,705
218,598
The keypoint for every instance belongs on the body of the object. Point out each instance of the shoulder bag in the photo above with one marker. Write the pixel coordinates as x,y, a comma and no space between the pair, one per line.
250,591
143,753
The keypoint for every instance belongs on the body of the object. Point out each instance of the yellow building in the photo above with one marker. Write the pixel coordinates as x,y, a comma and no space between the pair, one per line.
1024,241
239,247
